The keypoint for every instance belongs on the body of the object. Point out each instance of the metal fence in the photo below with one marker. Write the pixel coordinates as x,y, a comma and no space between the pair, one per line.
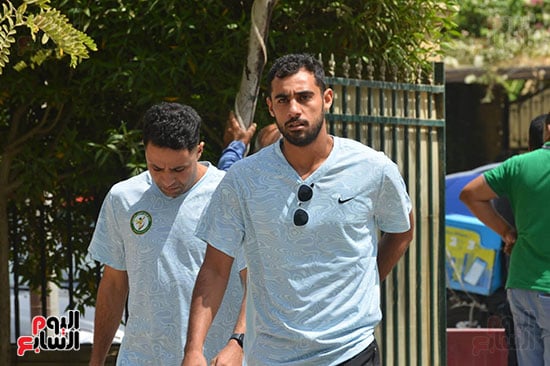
406,121
520,114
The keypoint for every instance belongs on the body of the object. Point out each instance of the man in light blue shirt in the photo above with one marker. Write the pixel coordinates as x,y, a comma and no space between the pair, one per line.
145,238
307,213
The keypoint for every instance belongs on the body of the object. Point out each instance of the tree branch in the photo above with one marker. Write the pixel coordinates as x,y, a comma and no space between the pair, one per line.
39,130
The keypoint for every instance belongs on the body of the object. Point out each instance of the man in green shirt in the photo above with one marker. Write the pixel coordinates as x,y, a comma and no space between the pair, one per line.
525,180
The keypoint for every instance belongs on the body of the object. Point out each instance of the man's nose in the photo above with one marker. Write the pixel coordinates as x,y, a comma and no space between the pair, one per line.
168,178
294,108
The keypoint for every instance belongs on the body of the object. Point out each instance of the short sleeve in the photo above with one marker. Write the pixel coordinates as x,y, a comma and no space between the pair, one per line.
107,245
497,179
221,224
393,204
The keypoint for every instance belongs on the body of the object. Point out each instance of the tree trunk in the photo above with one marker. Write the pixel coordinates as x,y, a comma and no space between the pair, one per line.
247,97
5,319
6,188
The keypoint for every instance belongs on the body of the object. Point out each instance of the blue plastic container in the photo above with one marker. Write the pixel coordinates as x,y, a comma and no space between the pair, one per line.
473,262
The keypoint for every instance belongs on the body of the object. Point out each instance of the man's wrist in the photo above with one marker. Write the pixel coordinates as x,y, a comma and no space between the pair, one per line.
238,337
238,146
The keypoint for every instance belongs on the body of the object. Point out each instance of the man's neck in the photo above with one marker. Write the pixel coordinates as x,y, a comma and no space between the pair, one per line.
306,159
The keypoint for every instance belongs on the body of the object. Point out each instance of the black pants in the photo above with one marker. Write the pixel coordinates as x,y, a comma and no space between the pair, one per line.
368,357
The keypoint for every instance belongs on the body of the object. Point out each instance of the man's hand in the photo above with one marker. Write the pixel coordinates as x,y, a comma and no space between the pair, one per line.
230,355
234,131
194,359
509,239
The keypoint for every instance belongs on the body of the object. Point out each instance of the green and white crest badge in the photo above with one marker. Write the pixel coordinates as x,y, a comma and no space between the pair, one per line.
141,222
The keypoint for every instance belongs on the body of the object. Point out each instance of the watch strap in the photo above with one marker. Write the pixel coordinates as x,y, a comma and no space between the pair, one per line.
239,337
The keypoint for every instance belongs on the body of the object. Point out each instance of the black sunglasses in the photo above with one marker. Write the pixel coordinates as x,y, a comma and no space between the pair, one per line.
304,194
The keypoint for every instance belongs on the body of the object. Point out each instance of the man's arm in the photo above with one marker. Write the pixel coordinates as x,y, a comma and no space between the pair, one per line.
236,140
391,248
477,196
234,152
232,353
111,298
207,296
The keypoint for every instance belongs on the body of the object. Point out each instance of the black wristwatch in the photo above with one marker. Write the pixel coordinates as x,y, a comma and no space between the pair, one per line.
239,337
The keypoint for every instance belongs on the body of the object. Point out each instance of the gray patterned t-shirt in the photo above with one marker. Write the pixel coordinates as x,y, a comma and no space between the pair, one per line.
313,292
151,236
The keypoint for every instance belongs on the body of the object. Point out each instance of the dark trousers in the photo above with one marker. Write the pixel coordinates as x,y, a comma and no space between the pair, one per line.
368,357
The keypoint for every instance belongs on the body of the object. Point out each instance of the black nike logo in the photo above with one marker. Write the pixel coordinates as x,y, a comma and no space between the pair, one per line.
340,200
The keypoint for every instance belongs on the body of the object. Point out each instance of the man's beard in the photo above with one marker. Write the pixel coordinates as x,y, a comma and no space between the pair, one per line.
308,136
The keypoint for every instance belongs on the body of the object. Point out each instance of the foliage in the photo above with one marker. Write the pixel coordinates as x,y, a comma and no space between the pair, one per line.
191,52
54,211
48,23
51,236
34,127
380,32
124,144
499,34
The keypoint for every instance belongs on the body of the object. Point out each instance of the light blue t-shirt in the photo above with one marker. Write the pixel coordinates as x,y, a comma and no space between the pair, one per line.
151,236
313,291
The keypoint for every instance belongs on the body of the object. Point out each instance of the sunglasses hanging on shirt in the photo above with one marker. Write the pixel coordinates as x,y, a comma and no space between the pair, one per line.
305,193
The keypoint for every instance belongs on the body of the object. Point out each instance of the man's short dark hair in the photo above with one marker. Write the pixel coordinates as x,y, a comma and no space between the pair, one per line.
172,125
290,64
536,132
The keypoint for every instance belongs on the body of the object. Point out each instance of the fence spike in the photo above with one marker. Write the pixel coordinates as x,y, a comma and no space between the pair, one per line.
358,68
431,76
383,71
346,66
409,75
370,70
331,65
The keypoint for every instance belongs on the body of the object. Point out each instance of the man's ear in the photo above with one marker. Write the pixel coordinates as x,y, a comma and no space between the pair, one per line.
200,149
328,96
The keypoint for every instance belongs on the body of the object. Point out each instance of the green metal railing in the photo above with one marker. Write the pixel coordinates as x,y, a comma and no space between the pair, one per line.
406,121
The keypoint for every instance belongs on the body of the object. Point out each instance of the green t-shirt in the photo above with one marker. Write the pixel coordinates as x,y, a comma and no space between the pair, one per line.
525,180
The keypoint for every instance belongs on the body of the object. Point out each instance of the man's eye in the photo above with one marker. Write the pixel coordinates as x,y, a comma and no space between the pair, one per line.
179,170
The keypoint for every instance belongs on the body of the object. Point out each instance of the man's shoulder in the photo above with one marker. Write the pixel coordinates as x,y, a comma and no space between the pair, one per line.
514,163
355,146
211,178
141,181
353,151
260,159
213,172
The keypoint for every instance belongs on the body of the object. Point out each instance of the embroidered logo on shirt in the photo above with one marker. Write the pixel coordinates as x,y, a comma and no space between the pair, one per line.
141,222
